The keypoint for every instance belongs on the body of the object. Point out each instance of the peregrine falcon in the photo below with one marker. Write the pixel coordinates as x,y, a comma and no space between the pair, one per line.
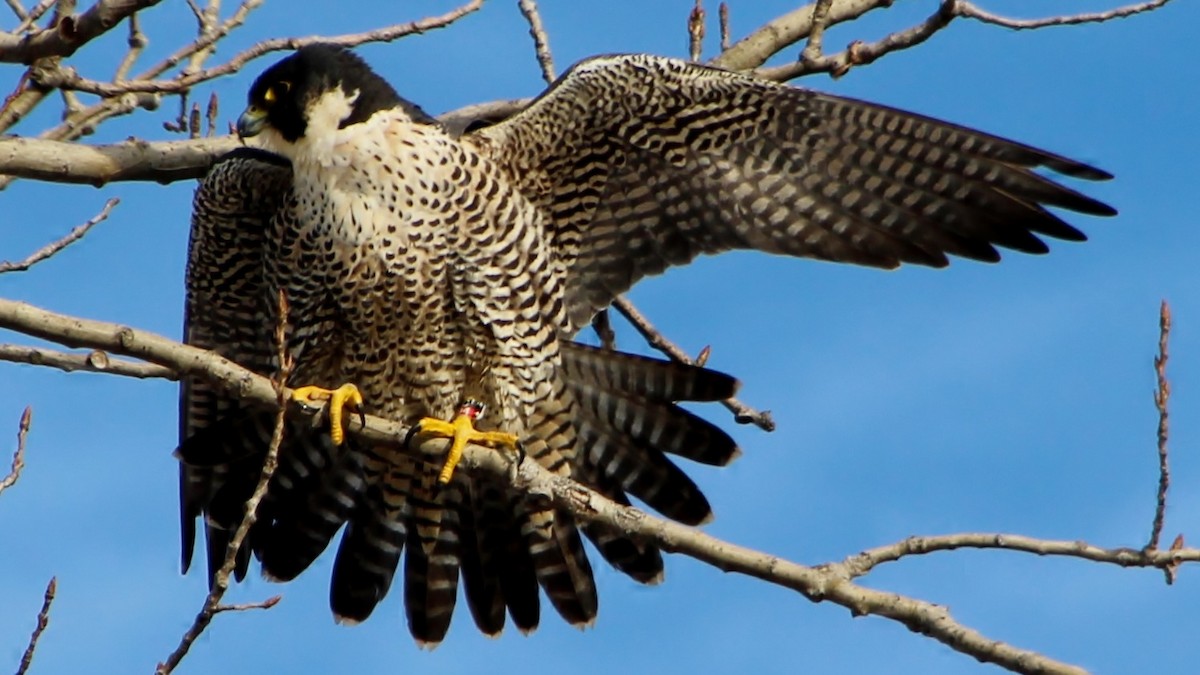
435,276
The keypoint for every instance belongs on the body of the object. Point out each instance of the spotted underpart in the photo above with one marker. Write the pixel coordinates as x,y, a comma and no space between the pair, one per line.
428,268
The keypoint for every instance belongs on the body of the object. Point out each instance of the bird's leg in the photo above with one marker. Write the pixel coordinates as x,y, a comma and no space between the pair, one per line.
345,396
461,430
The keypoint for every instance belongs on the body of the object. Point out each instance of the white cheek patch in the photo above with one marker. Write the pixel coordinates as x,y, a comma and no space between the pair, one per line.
321,134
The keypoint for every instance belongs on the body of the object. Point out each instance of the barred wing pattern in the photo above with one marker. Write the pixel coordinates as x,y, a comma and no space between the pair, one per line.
646,162
225,310
627,424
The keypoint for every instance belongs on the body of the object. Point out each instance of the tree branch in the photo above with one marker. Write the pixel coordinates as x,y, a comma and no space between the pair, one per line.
212,602
68,78
970,10
95,361
17,8
1162,395
813,583
816,35
861,53
541,41
162,161
69,33
54,247
742,413
247,606
62,162
43,620
826,583
696,29
18,460
861,563
753,50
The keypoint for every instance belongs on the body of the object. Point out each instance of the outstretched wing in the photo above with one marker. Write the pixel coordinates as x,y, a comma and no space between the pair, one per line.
646,162
225,312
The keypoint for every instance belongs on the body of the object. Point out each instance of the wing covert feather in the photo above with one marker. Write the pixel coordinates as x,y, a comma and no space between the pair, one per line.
646,162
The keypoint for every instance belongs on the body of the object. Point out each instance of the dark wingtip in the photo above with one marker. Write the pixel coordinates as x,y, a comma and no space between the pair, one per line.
1075,169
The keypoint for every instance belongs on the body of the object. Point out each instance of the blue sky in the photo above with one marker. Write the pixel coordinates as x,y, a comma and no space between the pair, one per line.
1013,398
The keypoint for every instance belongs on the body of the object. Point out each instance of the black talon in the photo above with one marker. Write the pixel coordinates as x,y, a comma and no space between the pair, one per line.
412,432
520,453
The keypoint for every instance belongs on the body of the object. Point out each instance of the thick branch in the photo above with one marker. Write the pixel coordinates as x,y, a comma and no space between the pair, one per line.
69,33
163,161
814,583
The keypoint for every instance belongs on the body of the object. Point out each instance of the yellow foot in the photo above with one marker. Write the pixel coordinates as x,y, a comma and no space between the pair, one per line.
461,430
345,396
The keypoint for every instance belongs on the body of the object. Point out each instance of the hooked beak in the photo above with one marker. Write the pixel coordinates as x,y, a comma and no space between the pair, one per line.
252,122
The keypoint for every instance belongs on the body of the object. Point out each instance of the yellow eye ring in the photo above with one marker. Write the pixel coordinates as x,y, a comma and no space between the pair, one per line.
269,95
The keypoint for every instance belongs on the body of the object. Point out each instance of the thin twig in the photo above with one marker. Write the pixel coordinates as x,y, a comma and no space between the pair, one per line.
220,582
18,460
695,26
27,24
17,8
247,606
68,78
96,361
742,413
43,620
196,12
137,42
971,10
54,247
210,115
541,41
723,15
860,564
1162,396
34,14
604,331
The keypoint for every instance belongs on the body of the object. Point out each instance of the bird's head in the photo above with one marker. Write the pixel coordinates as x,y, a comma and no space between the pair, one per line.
317,90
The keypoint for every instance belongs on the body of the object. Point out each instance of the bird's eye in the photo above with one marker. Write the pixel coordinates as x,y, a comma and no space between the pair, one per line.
285,85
